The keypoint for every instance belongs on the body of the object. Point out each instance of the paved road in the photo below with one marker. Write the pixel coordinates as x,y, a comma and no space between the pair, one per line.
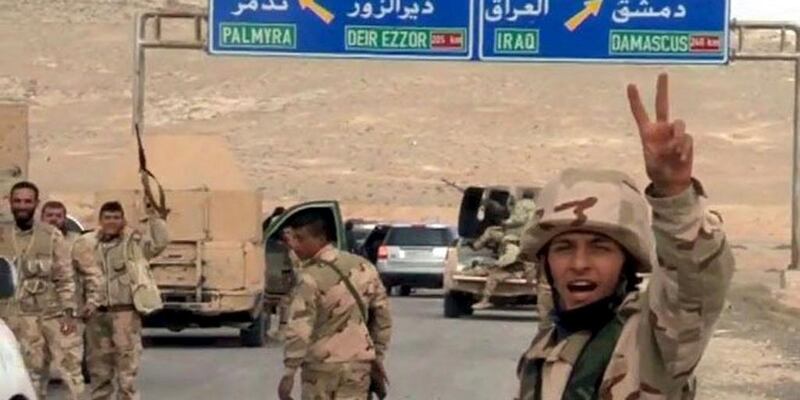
430,358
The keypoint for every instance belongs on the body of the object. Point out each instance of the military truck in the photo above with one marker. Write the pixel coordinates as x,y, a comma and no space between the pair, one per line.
222,266
212,273
463,289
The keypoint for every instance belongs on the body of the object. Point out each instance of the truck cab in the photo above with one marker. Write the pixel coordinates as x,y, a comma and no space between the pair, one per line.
280,273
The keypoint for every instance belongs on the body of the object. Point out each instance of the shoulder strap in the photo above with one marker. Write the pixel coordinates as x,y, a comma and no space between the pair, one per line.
350,288
587,375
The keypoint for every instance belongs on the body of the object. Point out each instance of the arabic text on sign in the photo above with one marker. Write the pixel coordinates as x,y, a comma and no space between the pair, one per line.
625,12
392,7
502,10
267,5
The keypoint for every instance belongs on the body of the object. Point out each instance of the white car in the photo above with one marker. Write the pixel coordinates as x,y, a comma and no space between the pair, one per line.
15,384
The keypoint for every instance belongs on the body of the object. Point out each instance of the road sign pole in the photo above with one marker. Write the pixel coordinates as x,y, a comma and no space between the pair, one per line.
143,40
796,169
783,54
138,74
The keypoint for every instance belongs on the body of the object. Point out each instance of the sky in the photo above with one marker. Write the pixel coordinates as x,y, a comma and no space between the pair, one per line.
771,10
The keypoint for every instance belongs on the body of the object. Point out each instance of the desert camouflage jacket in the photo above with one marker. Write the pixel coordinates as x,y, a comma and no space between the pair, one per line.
115,258
45,273
667,326
326,325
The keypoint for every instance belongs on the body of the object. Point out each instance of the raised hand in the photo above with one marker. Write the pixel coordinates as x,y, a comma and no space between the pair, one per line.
668,149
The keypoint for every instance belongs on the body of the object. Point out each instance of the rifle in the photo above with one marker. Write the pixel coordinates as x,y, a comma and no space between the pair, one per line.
145,175
453,185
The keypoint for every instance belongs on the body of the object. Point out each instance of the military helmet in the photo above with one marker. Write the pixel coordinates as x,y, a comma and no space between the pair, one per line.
600,201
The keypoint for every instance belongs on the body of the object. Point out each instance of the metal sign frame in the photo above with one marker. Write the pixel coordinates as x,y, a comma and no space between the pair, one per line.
149,34
783,53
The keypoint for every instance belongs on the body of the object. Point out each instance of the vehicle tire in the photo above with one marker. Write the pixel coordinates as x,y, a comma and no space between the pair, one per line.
466,305
405,291
256,334
452,306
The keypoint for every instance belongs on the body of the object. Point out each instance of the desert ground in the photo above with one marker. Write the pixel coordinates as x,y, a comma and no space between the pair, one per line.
379,137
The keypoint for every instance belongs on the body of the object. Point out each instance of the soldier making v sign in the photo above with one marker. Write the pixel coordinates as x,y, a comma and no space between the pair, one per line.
593,232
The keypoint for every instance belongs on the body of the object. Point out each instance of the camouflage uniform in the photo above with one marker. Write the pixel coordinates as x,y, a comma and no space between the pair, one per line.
327,336
113,334
46,291
664,329
506,267
506,239
521,214
75,348
493,236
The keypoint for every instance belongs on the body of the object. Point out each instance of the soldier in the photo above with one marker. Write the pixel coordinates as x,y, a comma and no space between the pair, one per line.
522,213
55,214
113,330
505,267
86,272
43,314
594,231
506,239
496,215
329,335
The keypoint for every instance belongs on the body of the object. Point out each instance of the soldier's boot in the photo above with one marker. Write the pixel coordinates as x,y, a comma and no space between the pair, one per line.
488,290
484,304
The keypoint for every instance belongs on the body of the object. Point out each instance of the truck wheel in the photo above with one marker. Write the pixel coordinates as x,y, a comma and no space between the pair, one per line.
256,334
452,308
405,291
466,305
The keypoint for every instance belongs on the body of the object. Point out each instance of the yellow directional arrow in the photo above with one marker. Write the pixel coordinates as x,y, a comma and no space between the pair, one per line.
320,11
591,8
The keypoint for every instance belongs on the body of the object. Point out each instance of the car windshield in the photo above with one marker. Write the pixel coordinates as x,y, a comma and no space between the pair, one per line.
419,236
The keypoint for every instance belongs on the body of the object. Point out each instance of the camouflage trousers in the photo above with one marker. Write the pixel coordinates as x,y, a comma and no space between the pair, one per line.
491,237
41,342
345,381
494,277
114,348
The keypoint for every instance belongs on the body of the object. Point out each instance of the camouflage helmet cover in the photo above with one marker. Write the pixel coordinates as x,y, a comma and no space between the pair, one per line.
599,201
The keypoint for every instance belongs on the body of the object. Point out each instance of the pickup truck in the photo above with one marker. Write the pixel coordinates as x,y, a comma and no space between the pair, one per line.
462,288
